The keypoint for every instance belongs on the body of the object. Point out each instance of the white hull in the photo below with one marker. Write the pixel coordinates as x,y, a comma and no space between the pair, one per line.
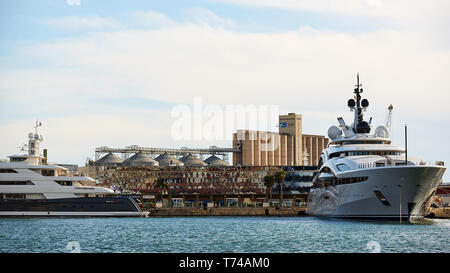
359,200
73,214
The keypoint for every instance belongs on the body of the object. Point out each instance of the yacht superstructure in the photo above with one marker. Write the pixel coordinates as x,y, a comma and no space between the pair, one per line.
29,187
362,175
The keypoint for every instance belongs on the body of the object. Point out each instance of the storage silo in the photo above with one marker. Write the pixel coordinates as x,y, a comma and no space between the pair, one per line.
215,161
140,160
192,161
109,160
167,160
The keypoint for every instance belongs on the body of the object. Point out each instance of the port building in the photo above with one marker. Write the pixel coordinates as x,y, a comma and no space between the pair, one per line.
287,147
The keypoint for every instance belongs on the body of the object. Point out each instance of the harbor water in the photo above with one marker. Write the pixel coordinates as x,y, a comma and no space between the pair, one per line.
221,234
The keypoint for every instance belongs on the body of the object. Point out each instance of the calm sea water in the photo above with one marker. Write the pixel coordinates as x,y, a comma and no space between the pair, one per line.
221,234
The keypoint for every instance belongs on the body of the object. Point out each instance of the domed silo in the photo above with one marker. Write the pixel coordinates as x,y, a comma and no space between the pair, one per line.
183,158
215,161
192,161
167,160
140,160
158,157
109,160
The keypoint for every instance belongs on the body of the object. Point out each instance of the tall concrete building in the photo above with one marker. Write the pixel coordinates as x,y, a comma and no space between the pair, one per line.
287,147
312,148
291,125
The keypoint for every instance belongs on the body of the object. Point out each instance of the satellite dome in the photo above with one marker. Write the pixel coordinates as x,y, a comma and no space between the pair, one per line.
351,103
362,127
36,136
382,131
334,132
30,135
365,103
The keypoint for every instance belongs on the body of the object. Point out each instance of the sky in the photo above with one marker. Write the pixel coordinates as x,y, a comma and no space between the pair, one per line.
119,73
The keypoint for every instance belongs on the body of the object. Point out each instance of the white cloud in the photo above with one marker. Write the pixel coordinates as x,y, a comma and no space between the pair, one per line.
176,63
83,23
428,17
73,2
305,71
151,19
373,8
205,16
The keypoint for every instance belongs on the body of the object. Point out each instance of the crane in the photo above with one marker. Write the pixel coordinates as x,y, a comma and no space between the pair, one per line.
389,117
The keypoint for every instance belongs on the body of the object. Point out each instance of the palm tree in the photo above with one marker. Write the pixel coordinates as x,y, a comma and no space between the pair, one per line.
269,182
279,177
161,184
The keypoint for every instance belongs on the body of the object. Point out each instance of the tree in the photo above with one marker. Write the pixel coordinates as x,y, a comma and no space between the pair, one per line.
279,177
161,184
269,181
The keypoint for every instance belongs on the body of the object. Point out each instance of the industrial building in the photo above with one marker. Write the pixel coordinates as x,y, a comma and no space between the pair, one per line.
287,147
206,172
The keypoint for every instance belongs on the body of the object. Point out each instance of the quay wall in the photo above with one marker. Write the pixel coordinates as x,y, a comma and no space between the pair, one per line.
155,212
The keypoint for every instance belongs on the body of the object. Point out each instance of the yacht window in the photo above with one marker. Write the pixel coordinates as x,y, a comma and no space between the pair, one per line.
7,171
17,159
2,183
48,172
363,142
14,196
353,153
382,199
64,183
350,180
342,167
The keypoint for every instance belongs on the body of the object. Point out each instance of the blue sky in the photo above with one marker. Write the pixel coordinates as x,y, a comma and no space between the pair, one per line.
111,72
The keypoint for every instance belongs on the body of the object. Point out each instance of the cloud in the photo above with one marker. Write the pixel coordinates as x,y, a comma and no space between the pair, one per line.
83,23
428,17
304,71
73,2
205,16
357,8
151,19
175,63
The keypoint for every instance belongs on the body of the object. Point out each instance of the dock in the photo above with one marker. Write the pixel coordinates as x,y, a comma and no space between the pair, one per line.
224,211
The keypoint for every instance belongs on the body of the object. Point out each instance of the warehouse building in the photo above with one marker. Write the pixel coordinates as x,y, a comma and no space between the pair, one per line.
287,147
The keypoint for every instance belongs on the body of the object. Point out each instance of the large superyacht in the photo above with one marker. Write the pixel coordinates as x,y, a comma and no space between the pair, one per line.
362,175
30,187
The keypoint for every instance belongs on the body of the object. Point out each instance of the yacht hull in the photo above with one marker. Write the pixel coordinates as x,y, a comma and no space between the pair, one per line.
92,206
388,193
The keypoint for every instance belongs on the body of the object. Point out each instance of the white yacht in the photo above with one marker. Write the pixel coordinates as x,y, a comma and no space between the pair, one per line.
362,175
30,187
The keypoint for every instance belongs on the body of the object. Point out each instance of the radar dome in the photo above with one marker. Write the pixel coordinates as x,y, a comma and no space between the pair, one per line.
334,132
36,136
351,103
382,131
30,135
362,127
365,103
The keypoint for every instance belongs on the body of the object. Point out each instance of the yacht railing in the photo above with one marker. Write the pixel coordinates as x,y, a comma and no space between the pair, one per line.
399,163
